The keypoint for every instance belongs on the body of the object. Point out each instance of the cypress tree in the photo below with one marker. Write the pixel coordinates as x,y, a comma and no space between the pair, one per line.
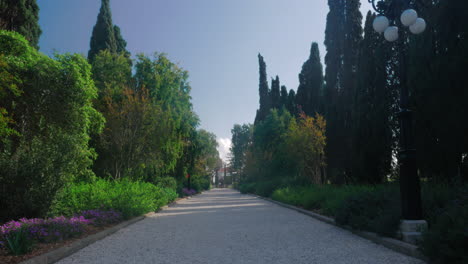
265,103
343,35
121,42
334,43
21,16
106,36
283,96
275,93
291,103
310,83
372,140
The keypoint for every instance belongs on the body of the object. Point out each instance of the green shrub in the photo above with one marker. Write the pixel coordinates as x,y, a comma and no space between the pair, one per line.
200,183
129,198
447,237
266,188
289,195
376,210
166,182
247,187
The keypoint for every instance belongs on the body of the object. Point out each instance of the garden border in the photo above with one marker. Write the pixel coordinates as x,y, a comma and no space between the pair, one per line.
393,244
65,251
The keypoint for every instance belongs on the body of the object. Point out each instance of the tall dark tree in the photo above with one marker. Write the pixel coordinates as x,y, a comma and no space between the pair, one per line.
283,96
265,102
21,16
334,43
106,36
291,103
121,42
311,83
343,35
437,79
371,137
275,93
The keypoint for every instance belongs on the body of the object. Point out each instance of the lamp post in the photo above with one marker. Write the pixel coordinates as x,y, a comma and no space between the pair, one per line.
393,15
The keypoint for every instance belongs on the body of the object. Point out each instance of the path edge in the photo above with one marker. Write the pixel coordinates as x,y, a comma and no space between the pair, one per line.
390,243
68,250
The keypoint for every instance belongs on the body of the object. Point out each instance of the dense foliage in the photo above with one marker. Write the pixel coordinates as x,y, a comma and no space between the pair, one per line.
130,198
49,106
67,122
358,96
21,16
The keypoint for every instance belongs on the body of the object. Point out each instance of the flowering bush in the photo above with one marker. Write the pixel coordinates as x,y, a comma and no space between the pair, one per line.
43,230
189,192
19,236
102,218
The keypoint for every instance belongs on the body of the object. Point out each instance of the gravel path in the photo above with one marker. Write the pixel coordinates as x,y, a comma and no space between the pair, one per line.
224,226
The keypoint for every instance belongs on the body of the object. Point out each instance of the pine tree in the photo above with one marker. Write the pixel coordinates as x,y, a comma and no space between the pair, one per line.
283,96
264,92
21,16
310,83
106,36
275,93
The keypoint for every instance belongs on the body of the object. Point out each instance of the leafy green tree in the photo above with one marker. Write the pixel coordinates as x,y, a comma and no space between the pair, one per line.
306,142
265,102
241,140
21,16
53,117
311,83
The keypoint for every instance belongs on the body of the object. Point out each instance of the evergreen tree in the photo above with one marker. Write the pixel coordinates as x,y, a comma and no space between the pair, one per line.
310,83
106,36
21,16
265,103
275,93
121,42
372,141
283,96
291,103
343,35
437,79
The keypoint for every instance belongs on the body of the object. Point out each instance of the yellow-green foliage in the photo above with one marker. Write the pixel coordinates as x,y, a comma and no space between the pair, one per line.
131,198
306,142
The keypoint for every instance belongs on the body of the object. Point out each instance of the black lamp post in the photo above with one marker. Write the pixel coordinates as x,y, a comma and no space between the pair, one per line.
392,15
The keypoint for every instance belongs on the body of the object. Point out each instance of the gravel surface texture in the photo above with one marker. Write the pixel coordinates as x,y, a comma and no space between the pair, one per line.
224,226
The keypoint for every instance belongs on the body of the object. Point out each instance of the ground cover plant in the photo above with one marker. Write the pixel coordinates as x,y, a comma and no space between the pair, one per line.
18,237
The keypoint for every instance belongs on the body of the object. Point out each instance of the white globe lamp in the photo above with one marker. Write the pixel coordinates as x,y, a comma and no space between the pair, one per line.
408,17
380,24
391,34
418,27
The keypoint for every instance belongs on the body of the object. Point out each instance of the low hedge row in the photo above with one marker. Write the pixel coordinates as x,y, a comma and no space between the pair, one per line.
377,209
